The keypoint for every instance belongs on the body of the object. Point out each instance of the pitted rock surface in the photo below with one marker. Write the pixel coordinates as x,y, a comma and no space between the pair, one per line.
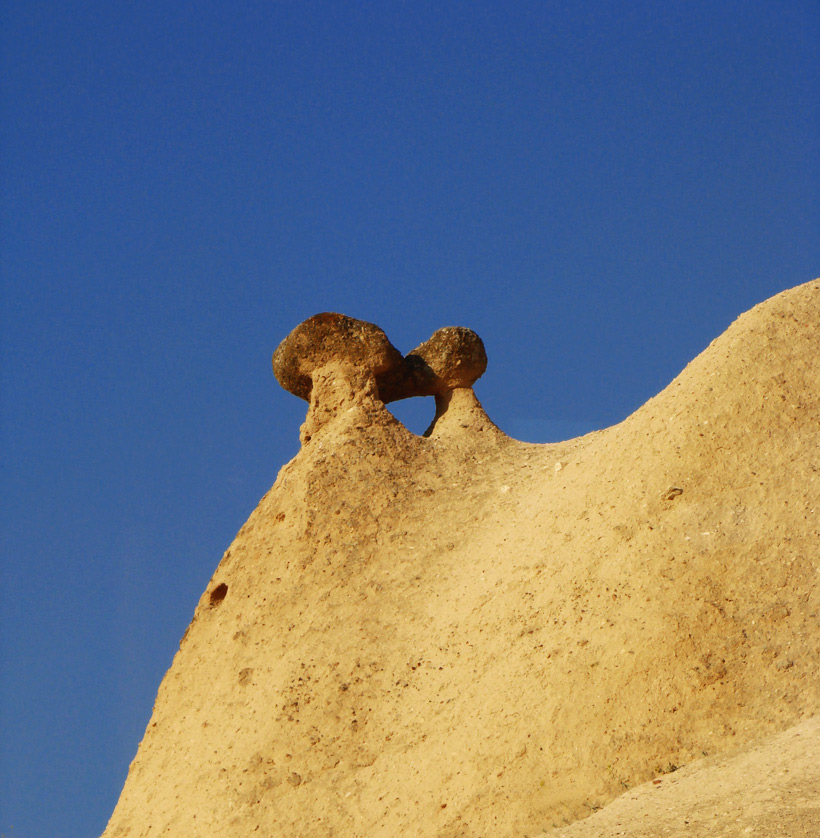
462,634
453,358
456,357
331,338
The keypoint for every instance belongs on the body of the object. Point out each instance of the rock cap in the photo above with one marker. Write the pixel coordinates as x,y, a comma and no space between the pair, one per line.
456,357
330,337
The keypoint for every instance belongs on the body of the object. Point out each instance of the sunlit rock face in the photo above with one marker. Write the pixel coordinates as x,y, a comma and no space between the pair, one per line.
464,635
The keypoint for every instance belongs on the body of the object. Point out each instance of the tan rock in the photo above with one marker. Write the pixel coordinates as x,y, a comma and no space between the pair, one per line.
456,357
354,360
769,788
449,637
331,338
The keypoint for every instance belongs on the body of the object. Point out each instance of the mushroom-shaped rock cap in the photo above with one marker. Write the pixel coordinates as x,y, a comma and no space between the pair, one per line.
456,356
327,338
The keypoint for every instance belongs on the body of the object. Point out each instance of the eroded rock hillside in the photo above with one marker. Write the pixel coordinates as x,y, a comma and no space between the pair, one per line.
465,635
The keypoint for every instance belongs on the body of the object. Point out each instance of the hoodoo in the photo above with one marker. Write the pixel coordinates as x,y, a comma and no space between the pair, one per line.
459,634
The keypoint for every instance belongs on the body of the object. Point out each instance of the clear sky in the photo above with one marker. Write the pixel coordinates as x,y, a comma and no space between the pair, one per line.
598,189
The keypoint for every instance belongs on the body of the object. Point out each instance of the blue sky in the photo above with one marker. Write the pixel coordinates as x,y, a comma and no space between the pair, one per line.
598,189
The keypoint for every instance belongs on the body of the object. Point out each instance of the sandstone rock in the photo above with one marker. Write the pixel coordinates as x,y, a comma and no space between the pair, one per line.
453,358
413,378
456,357
331,338
426,655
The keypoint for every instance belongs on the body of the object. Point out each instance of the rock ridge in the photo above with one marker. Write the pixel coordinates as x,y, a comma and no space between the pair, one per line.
462,635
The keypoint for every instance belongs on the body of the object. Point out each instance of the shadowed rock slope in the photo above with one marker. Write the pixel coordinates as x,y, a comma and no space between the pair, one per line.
466,635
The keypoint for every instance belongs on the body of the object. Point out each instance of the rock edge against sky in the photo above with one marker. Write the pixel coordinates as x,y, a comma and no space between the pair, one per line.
462,635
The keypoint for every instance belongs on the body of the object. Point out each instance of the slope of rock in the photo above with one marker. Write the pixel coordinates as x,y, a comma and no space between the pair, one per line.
767,789
465,635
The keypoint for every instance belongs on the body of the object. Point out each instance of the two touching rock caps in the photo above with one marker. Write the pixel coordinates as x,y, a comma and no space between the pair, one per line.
452,359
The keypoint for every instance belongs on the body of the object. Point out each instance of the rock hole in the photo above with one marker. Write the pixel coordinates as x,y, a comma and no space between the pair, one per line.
218,594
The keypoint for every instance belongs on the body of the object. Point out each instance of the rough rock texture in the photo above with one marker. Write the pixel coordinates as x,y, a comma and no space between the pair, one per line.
331,338
464,635
455,355
767,788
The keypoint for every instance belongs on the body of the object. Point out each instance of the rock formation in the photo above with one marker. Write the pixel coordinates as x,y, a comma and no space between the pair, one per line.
464,635
362,362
